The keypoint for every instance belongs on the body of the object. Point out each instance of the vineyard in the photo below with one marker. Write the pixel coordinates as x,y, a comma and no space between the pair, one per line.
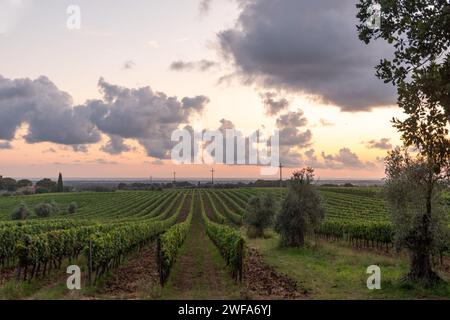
109,228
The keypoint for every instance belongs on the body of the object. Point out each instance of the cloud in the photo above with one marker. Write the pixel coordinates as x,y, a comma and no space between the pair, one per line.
292,138
326,123
157,162
307,47
201,65
272,105
205,6
115,146
197,103
345,158
47,110
128,65
80,148
104,162
226,124
49,150
382,144
144,115
5,145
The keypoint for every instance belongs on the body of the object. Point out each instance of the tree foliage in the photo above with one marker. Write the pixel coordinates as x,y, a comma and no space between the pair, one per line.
259,214
419,31
46,186
72,208
419,214
301,210
8,184
21,213
60,185
44,210
24,183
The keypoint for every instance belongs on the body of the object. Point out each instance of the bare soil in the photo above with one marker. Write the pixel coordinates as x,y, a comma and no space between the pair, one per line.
263,282
208,210
185,209
134,277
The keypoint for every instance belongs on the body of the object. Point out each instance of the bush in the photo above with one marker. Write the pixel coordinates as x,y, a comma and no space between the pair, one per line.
301,210
72,208
259,214
54,206
43,210
21,213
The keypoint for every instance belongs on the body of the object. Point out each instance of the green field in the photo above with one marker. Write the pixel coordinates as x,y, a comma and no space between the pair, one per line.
114,236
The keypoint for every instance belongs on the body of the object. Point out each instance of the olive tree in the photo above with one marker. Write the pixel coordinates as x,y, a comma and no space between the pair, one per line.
301,210
419,212
259,214
419,32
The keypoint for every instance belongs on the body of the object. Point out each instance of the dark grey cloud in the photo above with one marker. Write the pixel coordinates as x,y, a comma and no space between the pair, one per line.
272,104
226,124
201,65
115,146
382,144
344,159
80,148
5,145
47,110
182,65
141,114
293,136
307,47
197,103
292,119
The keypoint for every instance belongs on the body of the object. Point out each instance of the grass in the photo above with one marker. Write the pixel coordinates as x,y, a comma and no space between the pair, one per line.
334,271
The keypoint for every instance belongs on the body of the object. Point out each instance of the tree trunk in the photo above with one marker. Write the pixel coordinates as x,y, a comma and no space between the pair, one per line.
298,240
421,267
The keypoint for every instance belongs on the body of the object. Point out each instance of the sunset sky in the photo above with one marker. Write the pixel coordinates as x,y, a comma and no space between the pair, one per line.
101,101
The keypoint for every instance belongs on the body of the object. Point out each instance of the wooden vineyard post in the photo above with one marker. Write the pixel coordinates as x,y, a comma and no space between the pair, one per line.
90,263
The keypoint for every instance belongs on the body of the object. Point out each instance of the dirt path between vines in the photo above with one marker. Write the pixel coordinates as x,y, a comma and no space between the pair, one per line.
137,278
200,272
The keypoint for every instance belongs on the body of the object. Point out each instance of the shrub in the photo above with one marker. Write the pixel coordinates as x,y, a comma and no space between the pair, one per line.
259,214
43,210
21,213
72,208
54,206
